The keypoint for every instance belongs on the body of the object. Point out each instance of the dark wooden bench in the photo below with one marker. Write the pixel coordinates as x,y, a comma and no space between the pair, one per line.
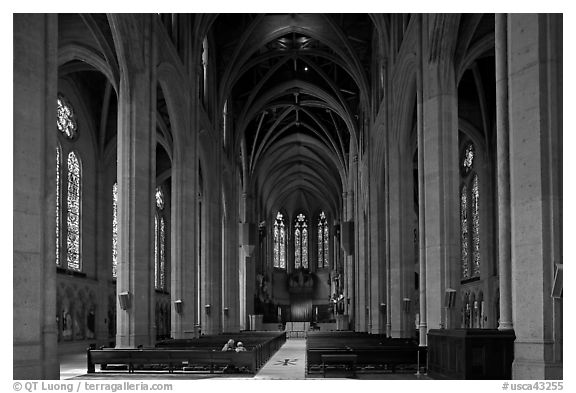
204,351
170,358
373,352
346,359
389,356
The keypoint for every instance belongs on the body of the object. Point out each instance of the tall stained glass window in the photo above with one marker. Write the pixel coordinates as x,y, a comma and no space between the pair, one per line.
279,242
162,262
159,242
58,207
323,243
464,246
156,250
301,242
469,215
68,190
475,226
73,213
114,229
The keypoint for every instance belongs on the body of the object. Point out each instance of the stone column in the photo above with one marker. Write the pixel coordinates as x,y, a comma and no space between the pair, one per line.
230,280
376,247
387,295
212,263
398,238
184,243
361,265
136,179
535,110
345,273
349,263
247,271
423,324
441,173
103,207
35,348
503,173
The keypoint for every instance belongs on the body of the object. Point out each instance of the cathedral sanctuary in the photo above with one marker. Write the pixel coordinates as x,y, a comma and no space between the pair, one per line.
382,190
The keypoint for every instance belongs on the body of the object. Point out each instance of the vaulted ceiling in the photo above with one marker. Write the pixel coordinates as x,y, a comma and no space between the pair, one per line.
298,86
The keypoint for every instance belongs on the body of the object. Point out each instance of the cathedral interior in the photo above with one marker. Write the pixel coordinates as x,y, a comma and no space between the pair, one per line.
186,175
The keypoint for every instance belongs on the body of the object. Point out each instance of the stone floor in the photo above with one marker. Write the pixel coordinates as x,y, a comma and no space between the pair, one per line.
289,363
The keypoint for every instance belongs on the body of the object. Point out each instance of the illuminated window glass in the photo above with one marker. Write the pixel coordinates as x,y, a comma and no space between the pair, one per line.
475,226
279,259
159,242
159,199
323,242
276,251
156,273
468,159
469,215
320,246
301,242
73,213
66,121
162,262
114,229
282,246
464,232
297,248
58,207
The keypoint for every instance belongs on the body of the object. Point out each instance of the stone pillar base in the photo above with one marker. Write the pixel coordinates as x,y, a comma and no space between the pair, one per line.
536,370
48,369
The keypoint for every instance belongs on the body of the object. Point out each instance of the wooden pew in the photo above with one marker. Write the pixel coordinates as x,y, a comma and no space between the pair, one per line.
205,351
347,359
370,350
171,358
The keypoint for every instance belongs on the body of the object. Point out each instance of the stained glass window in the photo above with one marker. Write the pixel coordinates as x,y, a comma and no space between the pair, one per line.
475,226
276,257
301,242
114,229
469,216
322,241
159,199
58,197
282,245
65,119
297,248
225,123
464,231
159,242
279,259
73,213
326,242
305,247
162,262
156,250
468,159
320,246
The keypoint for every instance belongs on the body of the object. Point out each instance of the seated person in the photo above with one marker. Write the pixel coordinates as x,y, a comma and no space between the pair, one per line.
240,347
229,346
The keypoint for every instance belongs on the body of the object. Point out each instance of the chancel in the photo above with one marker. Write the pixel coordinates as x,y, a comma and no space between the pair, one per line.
356,195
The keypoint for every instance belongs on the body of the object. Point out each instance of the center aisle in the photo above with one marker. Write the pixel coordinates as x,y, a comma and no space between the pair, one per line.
288,363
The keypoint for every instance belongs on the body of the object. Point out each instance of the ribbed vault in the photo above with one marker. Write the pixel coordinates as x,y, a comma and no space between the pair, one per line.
298,86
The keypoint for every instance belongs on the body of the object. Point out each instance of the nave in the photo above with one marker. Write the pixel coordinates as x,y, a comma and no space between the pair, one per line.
392,175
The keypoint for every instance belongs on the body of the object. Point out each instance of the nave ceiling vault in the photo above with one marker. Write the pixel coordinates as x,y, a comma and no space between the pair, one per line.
299,86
